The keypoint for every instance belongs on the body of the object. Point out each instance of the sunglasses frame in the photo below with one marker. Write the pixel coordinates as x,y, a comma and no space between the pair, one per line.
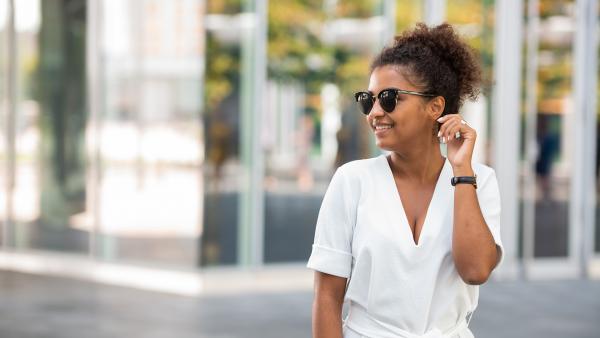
395,90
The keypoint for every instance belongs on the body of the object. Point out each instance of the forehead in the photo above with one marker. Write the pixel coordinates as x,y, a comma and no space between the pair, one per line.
389,77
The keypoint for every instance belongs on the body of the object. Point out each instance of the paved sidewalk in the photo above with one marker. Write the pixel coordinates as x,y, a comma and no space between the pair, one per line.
48,307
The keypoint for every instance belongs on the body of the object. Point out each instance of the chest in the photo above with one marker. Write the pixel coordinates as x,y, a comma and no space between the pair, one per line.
415,201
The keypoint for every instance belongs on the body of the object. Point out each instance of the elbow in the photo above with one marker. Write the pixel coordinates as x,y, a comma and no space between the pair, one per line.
475,277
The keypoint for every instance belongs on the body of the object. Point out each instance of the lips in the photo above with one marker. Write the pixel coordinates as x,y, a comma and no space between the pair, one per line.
381,129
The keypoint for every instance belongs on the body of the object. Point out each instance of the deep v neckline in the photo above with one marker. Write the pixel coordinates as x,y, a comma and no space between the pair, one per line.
398,201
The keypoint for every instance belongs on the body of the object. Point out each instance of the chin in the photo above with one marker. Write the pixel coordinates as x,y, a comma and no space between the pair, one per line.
383,146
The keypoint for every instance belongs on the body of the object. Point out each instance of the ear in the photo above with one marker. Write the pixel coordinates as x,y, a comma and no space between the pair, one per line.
435,107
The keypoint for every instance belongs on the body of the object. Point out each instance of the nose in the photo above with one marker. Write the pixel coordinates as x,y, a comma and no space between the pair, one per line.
376,111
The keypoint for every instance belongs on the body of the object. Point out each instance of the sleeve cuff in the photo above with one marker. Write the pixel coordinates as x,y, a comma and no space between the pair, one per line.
330,261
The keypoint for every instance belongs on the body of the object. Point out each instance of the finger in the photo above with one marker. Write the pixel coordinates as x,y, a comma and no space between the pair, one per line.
466,132
446,117
444,126
456,133
450,129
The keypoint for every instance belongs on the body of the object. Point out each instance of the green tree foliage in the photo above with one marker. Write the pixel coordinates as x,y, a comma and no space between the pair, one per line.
296,50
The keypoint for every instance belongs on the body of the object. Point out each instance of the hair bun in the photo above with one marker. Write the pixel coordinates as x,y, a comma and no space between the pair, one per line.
439,60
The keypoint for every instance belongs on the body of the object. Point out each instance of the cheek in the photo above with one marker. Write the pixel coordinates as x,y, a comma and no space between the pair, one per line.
410,122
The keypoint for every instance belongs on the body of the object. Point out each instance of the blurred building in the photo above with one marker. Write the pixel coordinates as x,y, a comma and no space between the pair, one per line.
179,136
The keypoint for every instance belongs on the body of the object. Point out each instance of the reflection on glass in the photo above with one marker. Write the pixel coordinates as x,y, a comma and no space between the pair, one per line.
474,21
49,190
408,12
149,202
551,227
221,120
553,121
312,124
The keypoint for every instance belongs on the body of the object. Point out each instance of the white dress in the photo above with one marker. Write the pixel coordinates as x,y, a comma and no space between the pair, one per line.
396,288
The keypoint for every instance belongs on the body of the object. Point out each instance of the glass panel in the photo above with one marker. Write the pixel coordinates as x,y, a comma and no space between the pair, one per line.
222,166
554,121
149,141
474,21
408,13
50,193
313,124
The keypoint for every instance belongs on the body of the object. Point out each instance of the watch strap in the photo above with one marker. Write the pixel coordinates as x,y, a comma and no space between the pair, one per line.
464,180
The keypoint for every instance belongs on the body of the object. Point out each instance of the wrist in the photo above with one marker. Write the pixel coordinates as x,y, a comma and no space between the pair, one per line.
463,171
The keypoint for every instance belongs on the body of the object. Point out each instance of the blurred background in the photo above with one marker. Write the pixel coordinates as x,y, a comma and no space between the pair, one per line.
182,148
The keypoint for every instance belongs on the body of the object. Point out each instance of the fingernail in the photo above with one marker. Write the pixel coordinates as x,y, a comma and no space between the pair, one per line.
439,133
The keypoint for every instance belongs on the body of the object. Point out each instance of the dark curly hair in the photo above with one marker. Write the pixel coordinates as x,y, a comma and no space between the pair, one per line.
438,61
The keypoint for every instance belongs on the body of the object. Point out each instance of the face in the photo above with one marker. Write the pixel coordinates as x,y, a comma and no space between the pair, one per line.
413,118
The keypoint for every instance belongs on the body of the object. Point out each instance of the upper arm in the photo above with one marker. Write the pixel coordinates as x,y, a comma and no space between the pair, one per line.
329,287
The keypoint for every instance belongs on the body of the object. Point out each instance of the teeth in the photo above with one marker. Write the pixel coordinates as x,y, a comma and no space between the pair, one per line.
382,127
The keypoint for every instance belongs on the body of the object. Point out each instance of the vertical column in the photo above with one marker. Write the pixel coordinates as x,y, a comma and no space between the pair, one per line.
11,113
254,73
506,111
434,12
583,197
389,27
530,141
94,63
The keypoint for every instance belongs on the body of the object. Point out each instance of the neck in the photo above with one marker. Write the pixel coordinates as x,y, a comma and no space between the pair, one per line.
418,165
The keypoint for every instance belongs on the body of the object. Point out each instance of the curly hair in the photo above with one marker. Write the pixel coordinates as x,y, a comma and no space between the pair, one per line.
438,61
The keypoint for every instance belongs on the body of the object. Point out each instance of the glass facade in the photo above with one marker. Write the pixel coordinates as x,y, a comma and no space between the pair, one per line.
46,129
221,118
553,126
148,133
477,26
125,126
312,122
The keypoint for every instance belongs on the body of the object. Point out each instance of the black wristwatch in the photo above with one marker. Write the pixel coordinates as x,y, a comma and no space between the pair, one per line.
464,179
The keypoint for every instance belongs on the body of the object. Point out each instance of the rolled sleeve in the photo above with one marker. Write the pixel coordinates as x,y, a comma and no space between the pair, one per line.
330,261
488,196
332,248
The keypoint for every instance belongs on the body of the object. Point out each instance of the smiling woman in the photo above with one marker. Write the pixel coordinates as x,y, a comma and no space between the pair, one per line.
407,238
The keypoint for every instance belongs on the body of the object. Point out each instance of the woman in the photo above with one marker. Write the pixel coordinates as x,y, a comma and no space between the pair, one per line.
405,239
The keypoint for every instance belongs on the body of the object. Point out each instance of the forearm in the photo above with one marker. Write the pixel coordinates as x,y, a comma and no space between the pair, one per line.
473,247
327,318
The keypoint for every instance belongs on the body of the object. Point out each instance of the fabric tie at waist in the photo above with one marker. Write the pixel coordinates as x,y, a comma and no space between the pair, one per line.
360,321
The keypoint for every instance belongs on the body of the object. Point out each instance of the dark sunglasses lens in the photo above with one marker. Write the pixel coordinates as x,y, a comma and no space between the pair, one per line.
365,102
387,100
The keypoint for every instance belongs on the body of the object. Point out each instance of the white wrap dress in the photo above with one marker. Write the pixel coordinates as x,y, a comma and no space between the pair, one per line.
396,288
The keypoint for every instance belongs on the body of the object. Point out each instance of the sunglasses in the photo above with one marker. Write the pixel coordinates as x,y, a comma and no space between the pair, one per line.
387,99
